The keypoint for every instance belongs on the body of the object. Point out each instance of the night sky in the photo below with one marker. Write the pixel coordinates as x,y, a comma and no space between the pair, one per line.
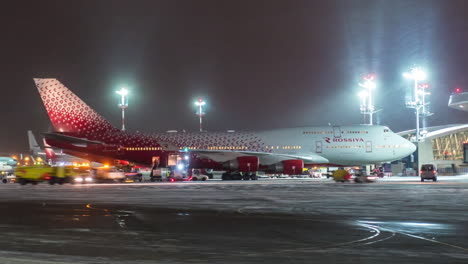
259,64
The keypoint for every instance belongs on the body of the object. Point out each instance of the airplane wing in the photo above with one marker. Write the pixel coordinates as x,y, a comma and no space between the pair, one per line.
264,158
72,140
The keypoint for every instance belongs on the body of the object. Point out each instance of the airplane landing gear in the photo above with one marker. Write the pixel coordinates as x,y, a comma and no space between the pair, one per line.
226,176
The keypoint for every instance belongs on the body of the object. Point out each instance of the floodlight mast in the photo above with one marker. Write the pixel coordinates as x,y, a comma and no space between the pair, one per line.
200,103
417,74
123,104
367,105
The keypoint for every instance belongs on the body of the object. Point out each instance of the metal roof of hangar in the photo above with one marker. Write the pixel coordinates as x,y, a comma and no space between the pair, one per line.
459,101
438,131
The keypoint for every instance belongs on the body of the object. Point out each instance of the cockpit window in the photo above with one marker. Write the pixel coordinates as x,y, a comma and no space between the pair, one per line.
386,130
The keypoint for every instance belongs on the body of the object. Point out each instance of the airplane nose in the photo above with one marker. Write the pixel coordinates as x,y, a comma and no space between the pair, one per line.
409,146
412,147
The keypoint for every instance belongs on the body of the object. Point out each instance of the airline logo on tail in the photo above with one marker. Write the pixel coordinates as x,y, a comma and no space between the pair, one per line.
67,112
50,154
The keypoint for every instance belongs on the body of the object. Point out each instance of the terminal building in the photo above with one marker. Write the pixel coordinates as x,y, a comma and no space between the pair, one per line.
445,146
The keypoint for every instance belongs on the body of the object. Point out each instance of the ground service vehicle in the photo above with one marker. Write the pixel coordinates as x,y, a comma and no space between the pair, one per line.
133,177
197,175
8,178
360,176
108,174
341,175
159,174
429,172
82,174
39,173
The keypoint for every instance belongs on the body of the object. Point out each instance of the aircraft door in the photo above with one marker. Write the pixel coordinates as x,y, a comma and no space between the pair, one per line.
156,160
336,132
368,146
318,146
174,159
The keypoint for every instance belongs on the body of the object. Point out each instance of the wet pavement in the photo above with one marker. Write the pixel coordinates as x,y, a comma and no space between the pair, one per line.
292,221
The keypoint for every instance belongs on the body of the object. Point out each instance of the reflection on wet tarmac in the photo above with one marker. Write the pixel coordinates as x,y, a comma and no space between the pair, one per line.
142,235
431,232
224,223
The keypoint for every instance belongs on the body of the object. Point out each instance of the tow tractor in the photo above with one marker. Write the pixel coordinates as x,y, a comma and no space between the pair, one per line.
198,175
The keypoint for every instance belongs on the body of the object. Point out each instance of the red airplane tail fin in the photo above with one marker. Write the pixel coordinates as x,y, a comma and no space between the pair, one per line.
50,153
68,113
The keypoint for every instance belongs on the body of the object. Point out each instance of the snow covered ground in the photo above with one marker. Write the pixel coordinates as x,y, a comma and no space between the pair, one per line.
397,219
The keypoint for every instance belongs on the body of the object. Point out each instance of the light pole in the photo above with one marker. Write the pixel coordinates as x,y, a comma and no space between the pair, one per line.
363,95
416,74
367,105
123,104
200,103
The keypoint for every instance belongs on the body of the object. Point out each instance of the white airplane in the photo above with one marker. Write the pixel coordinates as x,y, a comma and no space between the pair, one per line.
5,168
82,131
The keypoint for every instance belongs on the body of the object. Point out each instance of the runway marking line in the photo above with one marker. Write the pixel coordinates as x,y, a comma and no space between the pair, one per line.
423,238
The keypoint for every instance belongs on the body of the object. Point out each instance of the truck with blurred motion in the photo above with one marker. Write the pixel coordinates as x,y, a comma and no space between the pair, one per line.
107,174
44,173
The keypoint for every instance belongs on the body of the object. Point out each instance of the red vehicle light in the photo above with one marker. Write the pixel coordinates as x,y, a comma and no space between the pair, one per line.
172,180
420,172
47,177
434,172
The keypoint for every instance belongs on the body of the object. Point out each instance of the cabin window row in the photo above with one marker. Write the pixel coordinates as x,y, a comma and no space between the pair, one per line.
227,148
283,147
356,146
389,146
143,148
318,132
355,132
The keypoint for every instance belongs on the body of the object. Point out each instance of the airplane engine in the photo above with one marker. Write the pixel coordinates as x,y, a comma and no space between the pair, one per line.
242,164
290,167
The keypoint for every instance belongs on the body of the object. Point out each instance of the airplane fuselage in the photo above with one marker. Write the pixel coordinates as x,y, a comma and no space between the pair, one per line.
345,145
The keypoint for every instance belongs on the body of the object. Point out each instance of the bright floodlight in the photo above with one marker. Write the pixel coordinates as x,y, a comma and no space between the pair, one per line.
122,91
416,74
419,74
367,104
200,102
363,94
407,75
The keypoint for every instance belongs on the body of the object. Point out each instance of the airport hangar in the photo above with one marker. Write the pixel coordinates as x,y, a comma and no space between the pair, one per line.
445,146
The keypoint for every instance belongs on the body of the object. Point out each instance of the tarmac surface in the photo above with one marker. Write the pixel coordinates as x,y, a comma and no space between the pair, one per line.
396,220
